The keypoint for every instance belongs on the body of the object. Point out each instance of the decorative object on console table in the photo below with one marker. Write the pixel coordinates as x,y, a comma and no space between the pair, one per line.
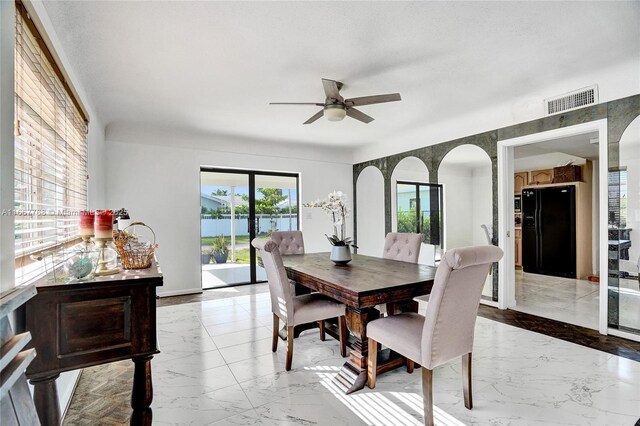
104,224
80,325
108,260
121,219
570,173
336,208
87,218
81,265
134,253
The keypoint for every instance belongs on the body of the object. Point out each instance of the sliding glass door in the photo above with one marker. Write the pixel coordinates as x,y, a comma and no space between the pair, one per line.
235,207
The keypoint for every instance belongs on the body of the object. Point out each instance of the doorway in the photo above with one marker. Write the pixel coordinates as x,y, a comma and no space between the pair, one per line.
237,206
556,232
551,290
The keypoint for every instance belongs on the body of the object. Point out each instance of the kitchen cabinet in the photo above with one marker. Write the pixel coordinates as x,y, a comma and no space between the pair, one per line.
540,177
519,180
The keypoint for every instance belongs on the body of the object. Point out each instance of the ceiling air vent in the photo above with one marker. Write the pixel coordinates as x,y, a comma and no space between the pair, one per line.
572,100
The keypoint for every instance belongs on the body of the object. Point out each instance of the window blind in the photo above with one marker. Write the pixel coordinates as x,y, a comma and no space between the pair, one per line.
50,154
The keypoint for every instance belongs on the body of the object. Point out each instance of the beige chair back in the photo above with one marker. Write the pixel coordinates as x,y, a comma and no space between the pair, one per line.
453,304
281,301
289,242
402,246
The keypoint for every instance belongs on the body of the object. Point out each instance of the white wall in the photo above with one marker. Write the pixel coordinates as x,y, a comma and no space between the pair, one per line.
7,102
481,199
160,185
370,193
458,212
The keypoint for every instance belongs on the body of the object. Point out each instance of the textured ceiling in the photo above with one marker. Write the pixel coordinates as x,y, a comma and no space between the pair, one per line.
213,67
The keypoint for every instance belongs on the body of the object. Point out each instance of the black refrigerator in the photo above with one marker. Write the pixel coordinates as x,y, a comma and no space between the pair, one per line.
549,231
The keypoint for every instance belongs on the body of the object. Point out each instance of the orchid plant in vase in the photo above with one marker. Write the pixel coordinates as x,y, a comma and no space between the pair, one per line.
335,206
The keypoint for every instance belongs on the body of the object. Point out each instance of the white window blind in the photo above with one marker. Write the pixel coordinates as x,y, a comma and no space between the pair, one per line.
50,153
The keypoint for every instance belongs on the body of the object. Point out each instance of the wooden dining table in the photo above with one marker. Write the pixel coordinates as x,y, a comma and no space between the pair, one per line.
361,285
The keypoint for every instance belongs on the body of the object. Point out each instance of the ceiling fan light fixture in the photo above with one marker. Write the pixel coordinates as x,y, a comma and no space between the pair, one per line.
335,112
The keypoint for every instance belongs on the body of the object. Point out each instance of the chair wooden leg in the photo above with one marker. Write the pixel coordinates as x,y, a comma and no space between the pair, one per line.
427,395
342,330
323,336
410,366
466,380
372,363
289,347
274,338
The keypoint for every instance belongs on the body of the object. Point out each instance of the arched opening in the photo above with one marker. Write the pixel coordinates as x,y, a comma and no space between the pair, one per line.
370,211
411,205
465,173
624,223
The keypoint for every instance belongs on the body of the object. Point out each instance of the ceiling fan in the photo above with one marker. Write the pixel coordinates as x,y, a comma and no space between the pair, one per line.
335,107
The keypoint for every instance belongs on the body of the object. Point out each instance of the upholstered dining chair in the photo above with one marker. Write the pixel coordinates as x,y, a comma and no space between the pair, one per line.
404,246
295,310
446,331
289,242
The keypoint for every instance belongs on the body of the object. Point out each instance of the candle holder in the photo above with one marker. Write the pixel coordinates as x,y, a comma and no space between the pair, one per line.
87,243
107,258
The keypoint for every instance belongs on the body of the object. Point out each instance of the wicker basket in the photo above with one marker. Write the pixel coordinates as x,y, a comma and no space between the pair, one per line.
134,255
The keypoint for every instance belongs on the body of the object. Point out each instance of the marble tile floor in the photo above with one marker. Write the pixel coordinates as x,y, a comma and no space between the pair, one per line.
573,301
216,368
562,299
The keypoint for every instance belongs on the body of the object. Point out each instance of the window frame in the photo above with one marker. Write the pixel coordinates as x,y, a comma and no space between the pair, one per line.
437,213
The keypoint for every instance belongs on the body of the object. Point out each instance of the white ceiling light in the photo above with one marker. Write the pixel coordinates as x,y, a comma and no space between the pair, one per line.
335,112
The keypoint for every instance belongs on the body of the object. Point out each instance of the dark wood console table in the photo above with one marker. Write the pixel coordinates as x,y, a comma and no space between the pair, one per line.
109,319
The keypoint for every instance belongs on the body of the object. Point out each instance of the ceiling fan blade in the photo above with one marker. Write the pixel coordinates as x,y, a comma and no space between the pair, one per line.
332,89
315,117
359,115
375,99
296,103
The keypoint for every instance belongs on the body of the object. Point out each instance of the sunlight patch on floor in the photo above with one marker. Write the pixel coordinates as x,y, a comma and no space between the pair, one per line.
376,408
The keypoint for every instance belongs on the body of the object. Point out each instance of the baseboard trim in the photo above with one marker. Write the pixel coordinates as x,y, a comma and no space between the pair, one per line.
180,292
66,395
